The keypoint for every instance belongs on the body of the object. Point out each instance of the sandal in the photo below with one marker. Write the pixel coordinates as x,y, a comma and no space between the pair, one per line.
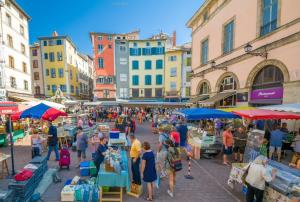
148,199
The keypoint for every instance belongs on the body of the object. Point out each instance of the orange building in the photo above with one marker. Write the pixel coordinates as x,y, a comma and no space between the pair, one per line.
104,63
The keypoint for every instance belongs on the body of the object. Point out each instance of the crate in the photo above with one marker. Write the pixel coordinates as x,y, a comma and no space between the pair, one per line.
6,195
85,168
114,134
109,168
67,194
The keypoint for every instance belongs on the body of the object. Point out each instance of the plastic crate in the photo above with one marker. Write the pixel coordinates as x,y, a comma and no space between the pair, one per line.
6,196
67,193
114,134
85,168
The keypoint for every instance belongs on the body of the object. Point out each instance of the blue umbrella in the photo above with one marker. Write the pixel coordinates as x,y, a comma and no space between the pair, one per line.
193,114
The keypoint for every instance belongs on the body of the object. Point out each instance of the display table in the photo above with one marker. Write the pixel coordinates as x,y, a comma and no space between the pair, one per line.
4,166
112,179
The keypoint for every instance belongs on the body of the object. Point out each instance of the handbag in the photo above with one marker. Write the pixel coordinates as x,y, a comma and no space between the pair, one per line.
245,174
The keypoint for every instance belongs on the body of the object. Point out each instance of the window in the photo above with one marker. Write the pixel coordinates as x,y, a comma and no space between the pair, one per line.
123,92
99,37
148,64
100,48
45,43
135,44
172,58
35,64
24,67
122,48
13,83
123,61
158,92
228,37
10,41
8,18
60,72
72,89
47,72
204,52
268,77
187,91
189,76
46,56
148,80
36,76
135,51
25,85
160,50
11,62
109,80
53,73
123,77
100,63
135,64
159,43
37,90
51,56
159,64
173,85
100,80
54,88
109,37
48,87
173,72
135,80
23,50
135,92
63,88
204,89
147,44
51,43
228,83
58,42
71,74
159,79
59,56
148,92
188,61
34,52
269,16
205,16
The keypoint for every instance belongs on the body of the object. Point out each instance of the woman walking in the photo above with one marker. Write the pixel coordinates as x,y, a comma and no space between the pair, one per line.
148,169
257,177
82,145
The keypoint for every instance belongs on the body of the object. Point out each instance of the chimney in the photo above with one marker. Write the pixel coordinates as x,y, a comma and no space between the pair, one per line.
174,38
54,34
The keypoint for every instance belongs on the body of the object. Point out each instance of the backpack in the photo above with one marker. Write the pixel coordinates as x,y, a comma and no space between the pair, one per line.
175,161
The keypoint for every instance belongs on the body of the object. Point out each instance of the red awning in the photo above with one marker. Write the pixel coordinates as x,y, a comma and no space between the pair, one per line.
8,108
263,114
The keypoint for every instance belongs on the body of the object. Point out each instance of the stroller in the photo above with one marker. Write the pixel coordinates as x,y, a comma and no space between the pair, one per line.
65,158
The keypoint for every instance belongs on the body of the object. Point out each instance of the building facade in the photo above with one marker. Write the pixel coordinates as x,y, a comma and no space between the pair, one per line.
186,72
104,62
122,68
242,60
15,71
59,61
173,74
146,68
37,71
83,75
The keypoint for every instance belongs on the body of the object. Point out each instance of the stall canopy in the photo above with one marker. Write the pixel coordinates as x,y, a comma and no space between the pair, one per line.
231,109
195,100
49,103
40,111
8,108
204,113
264,114
284,107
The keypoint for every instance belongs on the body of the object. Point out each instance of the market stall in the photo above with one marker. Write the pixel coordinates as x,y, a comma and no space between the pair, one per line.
203,139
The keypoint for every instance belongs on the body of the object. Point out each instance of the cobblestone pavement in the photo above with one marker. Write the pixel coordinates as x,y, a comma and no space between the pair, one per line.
209,183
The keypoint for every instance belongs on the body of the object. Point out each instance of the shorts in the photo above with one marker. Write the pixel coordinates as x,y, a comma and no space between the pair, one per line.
81,153
272,149
227,151
239,149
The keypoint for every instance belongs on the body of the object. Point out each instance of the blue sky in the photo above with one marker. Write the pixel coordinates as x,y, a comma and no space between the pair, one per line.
76,18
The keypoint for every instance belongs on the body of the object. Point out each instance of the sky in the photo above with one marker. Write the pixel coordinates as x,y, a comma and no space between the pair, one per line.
77,18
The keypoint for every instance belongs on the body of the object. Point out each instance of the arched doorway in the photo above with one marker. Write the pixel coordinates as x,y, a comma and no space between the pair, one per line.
228,86
267,86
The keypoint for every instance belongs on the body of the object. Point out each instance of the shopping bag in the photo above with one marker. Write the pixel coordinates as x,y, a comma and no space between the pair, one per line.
78,193
157,182
86,193
95,194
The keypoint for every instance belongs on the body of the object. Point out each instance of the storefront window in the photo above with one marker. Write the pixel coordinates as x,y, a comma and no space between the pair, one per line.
228,84
268,77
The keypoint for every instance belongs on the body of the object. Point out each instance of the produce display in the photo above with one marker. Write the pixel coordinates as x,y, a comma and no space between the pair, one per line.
113,161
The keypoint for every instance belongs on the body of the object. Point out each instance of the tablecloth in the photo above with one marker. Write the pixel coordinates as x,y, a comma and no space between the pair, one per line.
112,179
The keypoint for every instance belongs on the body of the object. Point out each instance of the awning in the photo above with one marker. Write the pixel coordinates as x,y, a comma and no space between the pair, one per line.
23,98
263,114
284,107
231,109
198,98
8,107
216,98
204,113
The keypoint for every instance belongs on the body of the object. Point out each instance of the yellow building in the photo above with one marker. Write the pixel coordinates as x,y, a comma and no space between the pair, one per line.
146,68
59,62
173,74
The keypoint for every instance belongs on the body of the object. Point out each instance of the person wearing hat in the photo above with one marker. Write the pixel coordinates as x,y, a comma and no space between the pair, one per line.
52,141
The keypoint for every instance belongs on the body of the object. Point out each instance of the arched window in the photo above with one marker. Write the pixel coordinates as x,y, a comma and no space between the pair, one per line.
204,88
228,84
37,90
268,77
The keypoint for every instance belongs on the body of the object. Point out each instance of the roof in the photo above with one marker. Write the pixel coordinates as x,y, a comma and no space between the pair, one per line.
112,34
20,9
58,37
198,12
143,40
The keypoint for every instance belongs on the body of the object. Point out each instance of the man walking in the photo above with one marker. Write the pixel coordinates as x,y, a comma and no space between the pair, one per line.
52,141
135,153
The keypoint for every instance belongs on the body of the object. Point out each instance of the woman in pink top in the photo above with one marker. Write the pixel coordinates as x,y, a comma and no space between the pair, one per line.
227,144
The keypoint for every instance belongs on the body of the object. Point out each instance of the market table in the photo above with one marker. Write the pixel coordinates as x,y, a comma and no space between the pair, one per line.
112,179
4,166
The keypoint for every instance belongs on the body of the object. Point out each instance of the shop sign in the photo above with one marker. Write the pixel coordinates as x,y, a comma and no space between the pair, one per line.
270,93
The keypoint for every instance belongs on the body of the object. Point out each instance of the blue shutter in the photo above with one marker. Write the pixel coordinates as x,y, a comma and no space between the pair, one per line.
139,51
153,51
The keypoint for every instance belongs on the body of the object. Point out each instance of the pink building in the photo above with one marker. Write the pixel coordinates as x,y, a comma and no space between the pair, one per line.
245,53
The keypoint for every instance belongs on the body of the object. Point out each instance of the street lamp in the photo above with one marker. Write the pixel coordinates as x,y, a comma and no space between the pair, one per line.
214,66
248,50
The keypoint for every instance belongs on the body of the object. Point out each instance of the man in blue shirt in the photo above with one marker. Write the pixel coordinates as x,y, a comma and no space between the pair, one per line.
277,136
182,129
52,141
